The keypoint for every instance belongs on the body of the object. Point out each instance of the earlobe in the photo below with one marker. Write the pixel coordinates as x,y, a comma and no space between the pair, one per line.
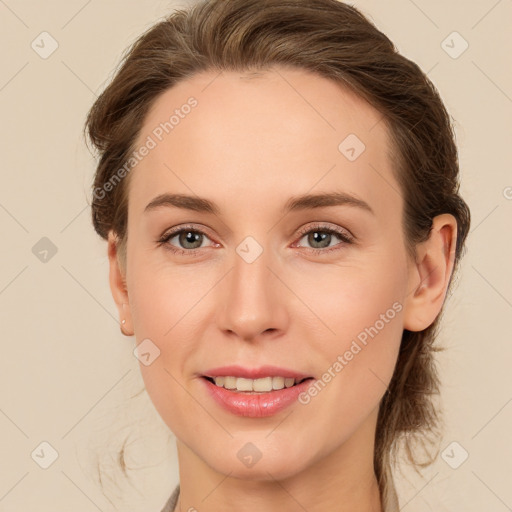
117,280
430,274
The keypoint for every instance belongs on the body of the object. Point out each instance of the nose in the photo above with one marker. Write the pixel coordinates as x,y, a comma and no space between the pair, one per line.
252,302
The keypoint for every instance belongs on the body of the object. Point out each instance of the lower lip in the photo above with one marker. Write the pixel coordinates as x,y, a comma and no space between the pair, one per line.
256,405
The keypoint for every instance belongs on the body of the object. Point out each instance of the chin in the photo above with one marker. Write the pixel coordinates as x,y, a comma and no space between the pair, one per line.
258,460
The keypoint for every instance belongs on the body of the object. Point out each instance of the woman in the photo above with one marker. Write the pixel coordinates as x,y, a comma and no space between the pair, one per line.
314,172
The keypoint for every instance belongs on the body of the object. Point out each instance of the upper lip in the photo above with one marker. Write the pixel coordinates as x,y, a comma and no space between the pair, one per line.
254,373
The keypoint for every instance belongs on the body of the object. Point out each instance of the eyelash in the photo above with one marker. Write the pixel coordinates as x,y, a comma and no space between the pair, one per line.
344,236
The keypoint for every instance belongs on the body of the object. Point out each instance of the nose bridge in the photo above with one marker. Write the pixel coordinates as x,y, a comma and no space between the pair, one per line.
252,301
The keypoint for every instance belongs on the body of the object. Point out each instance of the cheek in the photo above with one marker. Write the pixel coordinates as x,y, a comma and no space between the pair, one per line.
372,325
353,297
162,298
162,304
363,309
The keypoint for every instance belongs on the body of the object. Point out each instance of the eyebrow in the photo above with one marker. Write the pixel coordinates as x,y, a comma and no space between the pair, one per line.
296,203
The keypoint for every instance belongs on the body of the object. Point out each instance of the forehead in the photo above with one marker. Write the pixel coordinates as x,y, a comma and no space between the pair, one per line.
218,134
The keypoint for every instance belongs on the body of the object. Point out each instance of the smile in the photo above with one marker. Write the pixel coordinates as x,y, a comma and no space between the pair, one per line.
262,385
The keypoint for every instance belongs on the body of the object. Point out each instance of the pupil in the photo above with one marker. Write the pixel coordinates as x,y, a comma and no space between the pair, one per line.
191,237
322,236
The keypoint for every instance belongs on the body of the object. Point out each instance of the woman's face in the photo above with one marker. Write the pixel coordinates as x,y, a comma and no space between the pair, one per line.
314,287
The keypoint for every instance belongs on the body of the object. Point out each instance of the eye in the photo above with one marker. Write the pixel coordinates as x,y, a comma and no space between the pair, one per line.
320,237
188,237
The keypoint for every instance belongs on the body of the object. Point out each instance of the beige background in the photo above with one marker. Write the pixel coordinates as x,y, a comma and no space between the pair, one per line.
66,372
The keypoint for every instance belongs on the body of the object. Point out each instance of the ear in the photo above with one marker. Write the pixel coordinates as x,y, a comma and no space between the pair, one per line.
118,287
430,274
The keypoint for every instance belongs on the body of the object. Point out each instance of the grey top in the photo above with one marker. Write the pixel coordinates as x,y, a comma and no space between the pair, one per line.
171,502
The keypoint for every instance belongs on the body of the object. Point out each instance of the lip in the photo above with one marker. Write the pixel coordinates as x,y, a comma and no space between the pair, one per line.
254,373
255,405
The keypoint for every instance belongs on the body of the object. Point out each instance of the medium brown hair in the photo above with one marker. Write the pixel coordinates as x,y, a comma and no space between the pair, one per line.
335,41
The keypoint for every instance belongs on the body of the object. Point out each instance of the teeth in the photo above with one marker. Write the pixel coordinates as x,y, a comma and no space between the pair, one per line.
277,382
263,385
289,382
244,384
219,381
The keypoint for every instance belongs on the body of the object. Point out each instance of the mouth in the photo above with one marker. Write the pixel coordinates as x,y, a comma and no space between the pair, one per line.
255,386
255,398
255,392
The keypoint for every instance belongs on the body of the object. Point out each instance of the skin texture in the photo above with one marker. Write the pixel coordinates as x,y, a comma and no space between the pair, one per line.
249,145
